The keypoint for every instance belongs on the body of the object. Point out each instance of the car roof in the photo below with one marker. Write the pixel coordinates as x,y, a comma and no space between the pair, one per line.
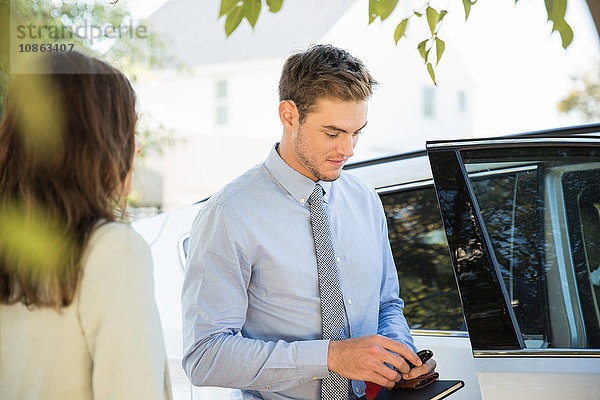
555,132
413,167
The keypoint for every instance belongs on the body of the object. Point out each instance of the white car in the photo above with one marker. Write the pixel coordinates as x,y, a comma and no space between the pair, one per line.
501,280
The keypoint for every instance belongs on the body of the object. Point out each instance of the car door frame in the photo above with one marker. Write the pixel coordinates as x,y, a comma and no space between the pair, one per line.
506,367
491,324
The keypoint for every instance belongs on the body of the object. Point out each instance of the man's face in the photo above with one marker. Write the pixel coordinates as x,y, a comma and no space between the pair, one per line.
326,138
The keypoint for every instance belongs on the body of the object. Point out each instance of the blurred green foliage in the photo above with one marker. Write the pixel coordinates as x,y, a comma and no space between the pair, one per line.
153,143
4,46
129,53
584,98
28,236
34,242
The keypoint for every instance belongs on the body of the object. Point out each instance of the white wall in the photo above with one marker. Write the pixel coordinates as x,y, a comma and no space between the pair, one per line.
208,155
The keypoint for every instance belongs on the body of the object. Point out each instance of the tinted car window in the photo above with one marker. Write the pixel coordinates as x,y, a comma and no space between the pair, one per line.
427,283
513,215
589,209
541,210
582,205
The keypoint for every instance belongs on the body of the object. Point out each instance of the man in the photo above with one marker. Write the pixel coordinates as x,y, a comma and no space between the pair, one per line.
291,290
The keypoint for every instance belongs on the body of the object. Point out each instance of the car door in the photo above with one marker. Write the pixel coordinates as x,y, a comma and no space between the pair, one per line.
522,222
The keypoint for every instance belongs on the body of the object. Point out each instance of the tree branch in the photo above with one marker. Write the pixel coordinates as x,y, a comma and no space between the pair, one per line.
594,6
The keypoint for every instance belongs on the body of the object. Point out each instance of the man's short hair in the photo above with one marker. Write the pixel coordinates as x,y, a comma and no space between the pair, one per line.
324,71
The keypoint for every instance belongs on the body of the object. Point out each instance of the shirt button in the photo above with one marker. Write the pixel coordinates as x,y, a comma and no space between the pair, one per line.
302,201
349,301
325,197
338,259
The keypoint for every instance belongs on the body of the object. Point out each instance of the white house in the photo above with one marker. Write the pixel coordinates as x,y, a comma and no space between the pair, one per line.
224,109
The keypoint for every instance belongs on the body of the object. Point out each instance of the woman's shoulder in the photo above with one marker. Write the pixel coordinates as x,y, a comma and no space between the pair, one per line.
115,245
116,236
115,233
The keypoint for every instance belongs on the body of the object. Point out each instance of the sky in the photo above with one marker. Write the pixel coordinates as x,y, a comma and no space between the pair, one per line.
519,69
144,8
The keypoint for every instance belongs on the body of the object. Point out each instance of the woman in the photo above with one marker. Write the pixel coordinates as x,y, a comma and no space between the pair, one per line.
77,313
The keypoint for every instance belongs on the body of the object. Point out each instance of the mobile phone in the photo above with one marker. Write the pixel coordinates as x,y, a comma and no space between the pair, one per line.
424,355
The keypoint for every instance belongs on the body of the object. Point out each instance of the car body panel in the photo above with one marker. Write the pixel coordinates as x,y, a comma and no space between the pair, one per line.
455,360
538,378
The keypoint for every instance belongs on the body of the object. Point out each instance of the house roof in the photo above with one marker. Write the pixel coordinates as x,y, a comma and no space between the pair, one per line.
197,37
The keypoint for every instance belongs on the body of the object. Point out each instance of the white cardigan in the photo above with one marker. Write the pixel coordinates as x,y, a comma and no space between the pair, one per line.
107,344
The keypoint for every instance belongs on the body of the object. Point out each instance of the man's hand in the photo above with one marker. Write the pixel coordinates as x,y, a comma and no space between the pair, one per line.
363,359
422,370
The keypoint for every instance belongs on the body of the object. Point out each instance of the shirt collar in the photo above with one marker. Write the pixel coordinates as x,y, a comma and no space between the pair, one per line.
297,185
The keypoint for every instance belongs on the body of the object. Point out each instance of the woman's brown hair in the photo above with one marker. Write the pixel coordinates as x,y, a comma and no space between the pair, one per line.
66,146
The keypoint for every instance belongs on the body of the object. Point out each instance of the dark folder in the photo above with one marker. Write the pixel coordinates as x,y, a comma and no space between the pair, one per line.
434,391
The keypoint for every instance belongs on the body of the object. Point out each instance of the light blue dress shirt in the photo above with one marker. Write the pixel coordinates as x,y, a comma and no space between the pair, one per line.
251,307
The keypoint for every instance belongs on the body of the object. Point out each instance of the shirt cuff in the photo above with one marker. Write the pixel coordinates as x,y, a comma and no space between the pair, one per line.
311,359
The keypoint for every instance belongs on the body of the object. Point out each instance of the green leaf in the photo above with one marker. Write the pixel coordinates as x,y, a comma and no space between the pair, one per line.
372,13
227,6
418,14
432,18
422,49
442,15
566,33
431,73
252,11
400,29
388,7
556,10
381,9
233,20
274,5
467,4
440,46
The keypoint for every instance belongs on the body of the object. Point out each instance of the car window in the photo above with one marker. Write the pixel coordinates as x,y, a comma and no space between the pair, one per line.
513,217
542,216
589,209
582,206
427,283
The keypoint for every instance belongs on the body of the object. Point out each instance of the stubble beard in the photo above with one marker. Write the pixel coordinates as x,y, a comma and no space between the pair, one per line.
308,162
